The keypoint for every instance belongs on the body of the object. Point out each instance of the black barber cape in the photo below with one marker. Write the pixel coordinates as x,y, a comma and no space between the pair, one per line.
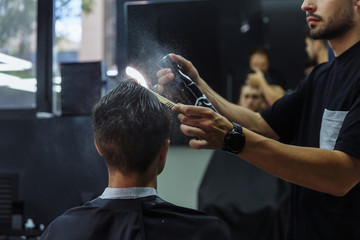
142,218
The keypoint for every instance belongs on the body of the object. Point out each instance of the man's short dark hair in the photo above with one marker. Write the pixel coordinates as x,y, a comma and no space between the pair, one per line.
130,126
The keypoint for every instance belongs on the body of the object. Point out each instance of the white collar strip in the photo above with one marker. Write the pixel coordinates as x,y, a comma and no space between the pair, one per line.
128,193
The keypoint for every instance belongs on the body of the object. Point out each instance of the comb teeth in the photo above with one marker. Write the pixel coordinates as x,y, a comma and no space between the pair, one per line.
163,100
170,105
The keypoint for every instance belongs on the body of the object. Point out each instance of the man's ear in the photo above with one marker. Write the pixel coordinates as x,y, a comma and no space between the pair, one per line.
162,156
97,148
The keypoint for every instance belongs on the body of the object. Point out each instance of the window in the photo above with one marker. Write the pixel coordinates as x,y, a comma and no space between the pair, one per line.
68,33
36,36
18,41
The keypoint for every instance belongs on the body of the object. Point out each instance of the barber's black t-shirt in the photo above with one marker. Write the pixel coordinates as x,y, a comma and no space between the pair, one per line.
324,112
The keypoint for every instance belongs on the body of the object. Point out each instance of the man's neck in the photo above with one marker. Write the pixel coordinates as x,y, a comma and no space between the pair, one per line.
340,45
323,56
118,180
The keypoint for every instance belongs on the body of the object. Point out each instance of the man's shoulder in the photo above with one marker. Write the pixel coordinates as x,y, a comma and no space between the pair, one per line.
192,224
68,223
160,207
74,214
321,68
317,75
153,213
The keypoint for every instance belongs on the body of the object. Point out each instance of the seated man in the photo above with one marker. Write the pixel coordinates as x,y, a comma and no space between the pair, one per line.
252,98
131,131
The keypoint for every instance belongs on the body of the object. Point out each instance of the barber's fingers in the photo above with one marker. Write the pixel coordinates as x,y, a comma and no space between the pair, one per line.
192,131
206,127
196,141
202,117
193,111
186,67
183,62
206,124
200,138
164,76
199,143
163,72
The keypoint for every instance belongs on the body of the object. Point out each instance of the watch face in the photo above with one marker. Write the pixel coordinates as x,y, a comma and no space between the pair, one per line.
234,140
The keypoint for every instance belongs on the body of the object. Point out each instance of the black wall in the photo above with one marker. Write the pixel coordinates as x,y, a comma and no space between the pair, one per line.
284,36
57,163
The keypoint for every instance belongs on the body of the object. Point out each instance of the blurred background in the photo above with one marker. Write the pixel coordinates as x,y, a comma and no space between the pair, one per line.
57,57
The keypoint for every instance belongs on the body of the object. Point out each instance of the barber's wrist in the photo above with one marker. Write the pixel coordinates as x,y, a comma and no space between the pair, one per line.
234,140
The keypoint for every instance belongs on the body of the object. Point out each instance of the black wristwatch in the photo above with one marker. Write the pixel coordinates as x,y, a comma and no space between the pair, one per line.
234,140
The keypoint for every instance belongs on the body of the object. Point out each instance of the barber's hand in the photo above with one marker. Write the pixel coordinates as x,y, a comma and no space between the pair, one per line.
256,79
207,127
165,75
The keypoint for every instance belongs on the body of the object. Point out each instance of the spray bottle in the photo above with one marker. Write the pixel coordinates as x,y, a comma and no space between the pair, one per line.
182,88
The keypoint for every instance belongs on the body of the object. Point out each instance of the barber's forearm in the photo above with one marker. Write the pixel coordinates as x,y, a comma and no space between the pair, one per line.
332,172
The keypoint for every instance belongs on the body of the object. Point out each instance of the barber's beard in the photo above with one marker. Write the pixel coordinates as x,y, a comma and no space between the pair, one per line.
336,26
